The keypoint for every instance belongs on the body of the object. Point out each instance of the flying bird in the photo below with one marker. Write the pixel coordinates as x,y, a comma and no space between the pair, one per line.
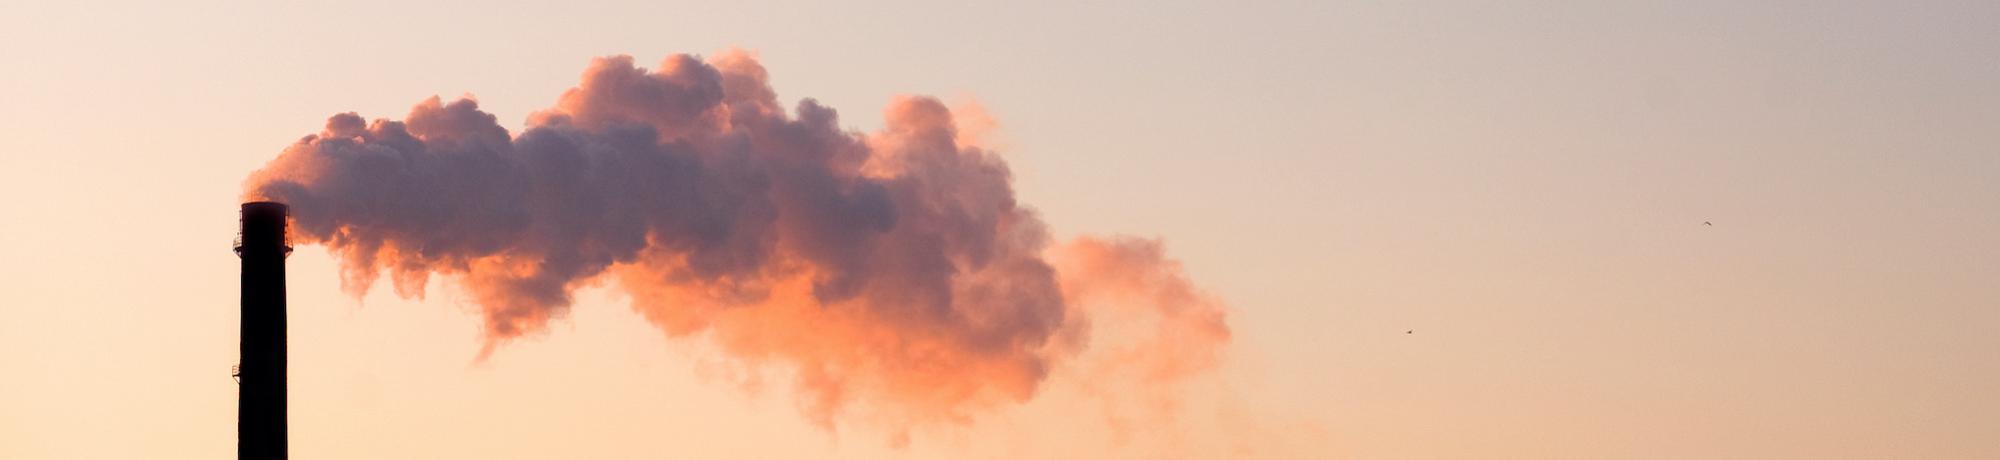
1707,223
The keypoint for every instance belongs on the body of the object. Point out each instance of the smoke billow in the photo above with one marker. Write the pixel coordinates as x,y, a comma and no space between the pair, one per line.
891,270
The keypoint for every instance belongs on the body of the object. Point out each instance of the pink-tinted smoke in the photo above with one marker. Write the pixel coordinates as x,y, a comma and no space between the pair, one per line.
892,271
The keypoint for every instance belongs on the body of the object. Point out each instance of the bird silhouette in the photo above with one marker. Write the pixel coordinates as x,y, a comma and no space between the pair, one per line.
1412,331
1707,223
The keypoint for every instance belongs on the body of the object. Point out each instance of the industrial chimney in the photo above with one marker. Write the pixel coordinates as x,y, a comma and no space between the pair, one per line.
260,401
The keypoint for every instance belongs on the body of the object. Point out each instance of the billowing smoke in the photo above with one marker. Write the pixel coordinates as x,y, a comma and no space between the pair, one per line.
891,270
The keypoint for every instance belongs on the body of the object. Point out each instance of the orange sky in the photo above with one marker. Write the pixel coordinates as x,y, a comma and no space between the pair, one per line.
1521,187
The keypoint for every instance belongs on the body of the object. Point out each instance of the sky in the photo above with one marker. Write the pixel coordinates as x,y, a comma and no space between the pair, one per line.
1442,229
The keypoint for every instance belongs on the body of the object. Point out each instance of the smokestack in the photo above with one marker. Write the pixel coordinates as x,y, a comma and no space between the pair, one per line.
260,403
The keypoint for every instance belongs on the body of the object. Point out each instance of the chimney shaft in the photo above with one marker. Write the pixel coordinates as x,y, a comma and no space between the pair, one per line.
260,403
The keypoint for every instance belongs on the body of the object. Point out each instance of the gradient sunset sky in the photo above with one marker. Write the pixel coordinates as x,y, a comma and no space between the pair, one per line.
1443,229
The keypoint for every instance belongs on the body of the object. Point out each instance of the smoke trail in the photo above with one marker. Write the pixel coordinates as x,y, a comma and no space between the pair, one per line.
1174,330
891,269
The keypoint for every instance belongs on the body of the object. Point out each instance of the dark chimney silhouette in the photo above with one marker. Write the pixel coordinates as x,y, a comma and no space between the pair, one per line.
260,402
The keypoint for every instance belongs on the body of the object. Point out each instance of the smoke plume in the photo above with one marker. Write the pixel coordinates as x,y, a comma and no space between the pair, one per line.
892,271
